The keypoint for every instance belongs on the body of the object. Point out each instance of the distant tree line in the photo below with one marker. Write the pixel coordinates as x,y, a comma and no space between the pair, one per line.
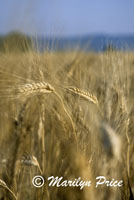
15,42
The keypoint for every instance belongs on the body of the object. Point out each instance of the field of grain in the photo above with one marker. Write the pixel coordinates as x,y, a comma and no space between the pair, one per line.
66,114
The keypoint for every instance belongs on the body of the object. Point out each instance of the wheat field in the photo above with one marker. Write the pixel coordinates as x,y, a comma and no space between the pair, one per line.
66,114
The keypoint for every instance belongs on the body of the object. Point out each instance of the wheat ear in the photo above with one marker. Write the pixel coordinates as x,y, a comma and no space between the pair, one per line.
82,93
4,185
91,98
34,88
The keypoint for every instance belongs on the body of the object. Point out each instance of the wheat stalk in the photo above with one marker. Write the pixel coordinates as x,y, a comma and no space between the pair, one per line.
4,185
62,103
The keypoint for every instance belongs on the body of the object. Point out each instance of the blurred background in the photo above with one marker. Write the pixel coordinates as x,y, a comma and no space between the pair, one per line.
88,24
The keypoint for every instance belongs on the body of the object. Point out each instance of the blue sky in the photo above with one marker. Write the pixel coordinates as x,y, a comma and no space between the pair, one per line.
67,17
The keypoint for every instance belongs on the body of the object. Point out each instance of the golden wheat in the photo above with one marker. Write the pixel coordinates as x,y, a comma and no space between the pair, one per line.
92,131
35,88
91,98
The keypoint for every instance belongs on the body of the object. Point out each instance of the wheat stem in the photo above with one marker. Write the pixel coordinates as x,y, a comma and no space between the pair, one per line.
4,185
61,100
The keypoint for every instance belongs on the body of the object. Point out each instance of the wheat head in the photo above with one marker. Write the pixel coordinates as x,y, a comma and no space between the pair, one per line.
34,88
82,93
